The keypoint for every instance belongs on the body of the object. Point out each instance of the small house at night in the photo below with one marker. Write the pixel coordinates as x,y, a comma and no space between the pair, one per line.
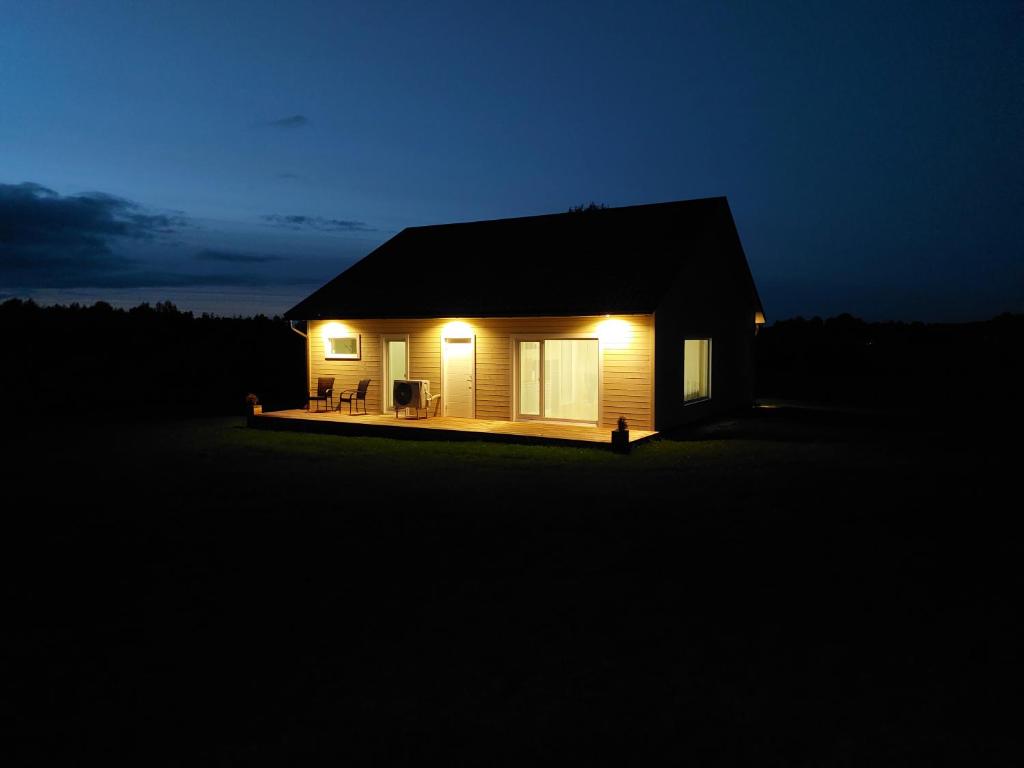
647,312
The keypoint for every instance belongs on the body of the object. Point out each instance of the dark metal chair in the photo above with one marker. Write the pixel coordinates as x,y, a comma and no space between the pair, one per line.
324,392
354,396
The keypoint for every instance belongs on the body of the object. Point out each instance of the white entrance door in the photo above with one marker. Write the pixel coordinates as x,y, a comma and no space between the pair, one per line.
458,378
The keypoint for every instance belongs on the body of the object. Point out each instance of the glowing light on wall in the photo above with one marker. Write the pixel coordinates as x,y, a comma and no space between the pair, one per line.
614,333
333,330
758,318
457,330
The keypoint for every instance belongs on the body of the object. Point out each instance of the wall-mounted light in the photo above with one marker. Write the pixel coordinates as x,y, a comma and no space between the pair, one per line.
457,329
334,328
614,332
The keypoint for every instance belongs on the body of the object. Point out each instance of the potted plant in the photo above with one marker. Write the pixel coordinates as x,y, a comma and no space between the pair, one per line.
620,436
252,405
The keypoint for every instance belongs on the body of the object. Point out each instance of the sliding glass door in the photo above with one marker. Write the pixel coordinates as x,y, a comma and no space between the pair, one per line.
558,379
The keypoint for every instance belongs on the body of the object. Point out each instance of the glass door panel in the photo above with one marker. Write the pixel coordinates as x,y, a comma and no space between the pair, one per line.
570,379
395,360
529,378
558,379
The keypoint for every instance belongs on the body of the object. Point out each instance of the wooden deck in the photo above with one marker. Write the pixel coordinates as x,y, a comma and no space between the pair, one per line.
439,428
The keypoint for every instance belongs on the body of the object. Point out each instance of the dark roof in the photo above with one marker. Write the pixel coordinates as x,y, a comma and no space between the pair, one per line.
605,261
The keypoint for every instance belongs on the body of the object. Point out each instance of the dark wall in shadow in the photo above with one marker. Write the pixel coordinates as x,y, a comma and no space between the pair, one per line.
846,361
64,362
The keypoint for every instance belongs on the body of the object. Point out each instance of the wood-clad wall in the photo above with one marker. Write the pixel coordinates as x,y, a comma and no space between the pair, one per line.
626,359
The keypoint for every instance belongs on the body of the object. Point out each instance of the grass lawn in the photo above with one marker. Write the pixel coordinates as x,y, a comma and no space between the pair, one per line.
789,587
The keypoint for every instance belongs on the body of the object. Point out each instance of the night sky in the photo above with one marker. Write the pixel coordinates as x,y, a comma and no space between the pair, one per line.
231,157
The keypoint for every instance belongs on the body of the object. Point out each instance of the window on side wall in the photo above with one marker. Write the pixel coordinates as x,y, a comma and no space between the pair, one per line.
696,370
343,347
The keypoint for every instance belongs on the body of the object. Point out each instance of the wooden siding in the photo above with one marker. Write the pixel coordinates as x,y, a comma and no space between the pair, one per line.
626,359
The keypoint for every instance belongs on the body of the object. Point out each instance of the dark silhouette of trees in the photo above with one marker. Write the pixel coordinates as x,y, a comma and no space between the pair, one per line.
148,361
591,206
892,364
67,362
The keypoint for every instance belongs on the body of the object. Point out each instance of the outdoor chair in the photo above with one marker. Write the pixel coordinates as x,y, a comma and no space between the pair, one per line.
354,396
436,400
324,392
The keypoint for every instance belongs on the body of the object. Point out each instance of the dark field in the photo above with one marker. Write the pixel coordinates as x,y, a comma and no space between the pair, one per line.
791,587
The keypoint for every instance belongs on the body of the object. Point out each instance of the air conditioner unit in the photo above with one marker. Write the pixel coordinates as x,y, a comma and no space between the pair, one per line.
411,393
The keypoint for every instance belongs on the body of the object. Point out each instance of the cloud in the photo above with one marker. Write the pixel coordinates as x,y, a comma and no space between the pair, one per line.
48,237
316,223
48,240
35,216
235,257
166,279
290,122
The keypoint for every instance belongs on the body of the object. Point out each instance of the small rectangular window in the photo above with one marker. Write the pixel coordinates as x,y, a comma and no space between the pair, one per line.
343,348
696,370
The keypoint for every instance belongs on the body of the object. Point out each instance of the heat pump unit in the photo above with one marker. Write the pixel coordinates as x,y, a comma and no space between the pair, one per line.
411,393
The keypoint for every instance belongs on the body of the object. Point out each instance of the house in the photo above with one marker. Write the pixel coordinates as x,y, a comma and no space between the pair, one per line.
645,311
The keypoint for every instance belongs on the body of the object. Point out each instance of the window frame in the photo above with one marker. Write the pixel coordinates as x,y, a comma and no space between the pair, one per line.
707,361
386,406
515,339
329,354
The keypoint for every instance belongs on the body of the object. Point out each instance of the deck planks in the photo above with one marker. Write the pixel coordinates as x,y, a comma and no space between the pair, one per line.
439,428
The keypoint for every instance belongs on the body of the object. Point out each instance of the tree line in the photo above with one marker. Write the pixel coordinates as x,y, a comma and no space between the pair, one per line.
156,361
62,362
846,360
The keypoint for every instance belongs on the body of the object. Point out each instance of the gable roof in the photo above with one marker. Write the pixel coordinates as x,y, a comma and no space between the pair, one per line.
606,261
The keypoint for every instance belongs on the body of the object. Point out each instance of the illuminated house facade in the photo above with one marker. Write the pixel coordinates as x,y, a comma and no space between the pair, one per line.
647,312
